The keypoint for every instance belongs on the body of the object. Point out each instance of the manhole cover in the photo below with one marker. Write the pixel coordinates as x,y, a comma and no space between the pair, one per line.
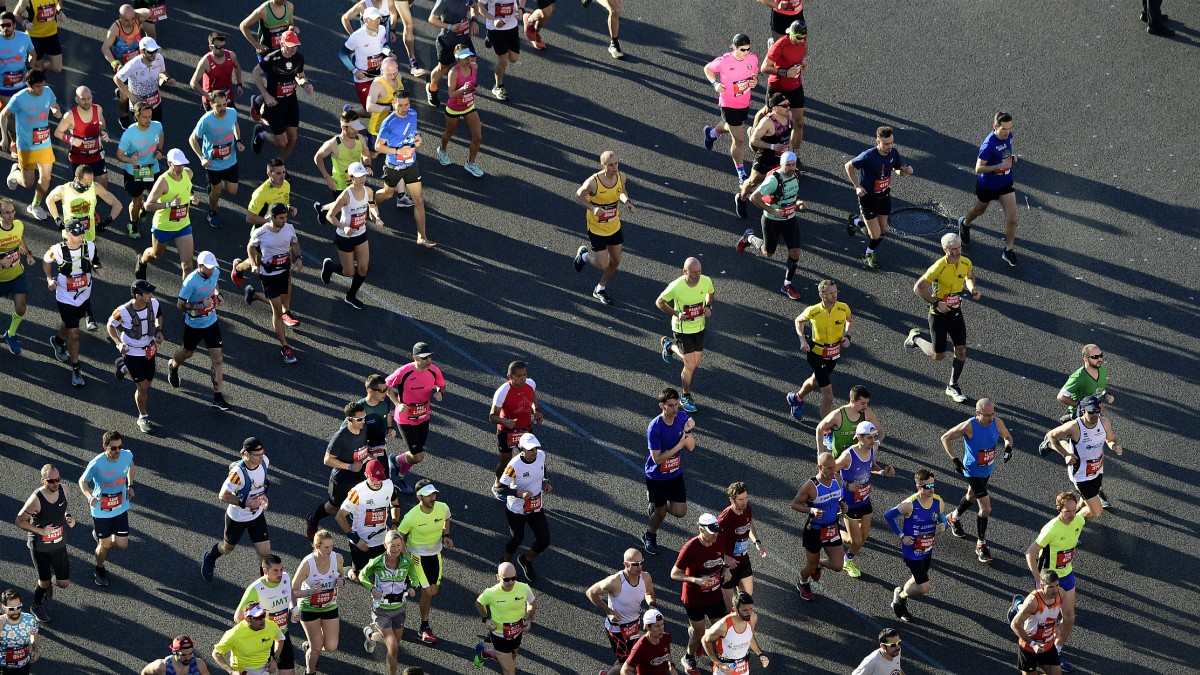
920,221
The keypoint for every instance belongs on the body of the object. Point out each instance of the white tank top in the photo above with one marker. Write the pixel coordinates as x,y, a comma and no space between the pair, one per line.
354,215
324,589
1042,626
734,645
526,477
628,605
1090,450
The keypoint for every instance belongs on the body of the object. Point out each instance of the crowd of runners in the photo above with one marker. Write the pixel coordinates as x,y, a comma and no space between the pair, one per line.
394,528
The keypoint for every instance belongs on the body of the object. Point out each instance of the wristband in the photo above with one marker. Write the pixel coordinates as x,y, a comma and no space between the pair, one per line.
715,83
115,64
67,136
353,536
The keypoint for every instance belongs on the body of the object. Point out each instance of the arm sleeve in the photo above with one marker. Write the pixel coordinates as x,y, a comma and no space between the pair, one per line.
347,57
893,519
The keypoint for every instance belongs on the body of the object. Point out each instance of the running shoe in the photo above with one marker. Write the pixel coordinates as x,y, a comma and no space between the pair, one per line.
415,69
431,96
614,50
427,635
133,231
500,93
218,401
59,347
852,569
37,211
739,205
369,632
689,664
13,176
443,157
744,240
120,367
579,263
234,274
1044,449
256,139
911,340
214,221
401,483
473,169
139,270
289,356
77,378
326,270
256,108
1065,665
404,201
1066,417
964,231
354,302
870,261
800,168
249,293
208,565
1015,607
805,589
797,405
483,652
956,527
144,426
527,569
289,320
90,325
317,209
853,224
788,291
665,344
173,374
1010,257
100,576
1104,500
816,575
955,392
687,403
710,137
650,543
495,489
39,612
984,554
13,344
602,295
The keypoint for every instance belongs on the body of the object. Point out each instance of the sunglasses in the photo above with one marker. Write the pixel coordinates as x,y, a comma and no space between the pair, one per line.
357,419
634,563
928,486
381,391
740,49
16,608
508,580
6,25
891,644
115,447
1096,356
784,105
53,481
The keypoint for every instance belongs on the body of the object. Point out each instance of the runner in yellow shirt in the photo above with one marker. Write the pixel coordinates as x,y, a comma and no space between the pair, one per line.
941,287
831,325
12,272
602,194
689,301
247,647
507,610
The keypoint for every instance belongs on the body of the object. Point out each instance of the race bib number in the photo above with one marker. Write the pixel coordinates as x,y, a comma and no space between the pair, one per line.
1004,172
11,258
375,516
607,213
206,309
468,98
321,598
514,438
285,89
711,581
691,312
742,86
362,455
178,213
952,300
1095,466
829,533
832,351
1064,558
129,56
78,283
143,173
533,504
358,220
89,146
882,184
46,13
13,656
670,465
41,135
630,631
274,38
280,618
985,457
511,631
373,62
158,12
923,543
278,262
222,151
53,534
460,30
788,210
111,501
13,79
505,10
863,493
417,410
791,5
741,547
151,350
153,99
739,667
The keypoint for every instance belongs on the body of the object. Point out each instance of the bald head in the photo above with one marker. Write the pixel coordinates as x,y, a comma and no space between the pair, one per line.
691,265
389,66
81,92
505,570
126,12
607,156
985,406
632,555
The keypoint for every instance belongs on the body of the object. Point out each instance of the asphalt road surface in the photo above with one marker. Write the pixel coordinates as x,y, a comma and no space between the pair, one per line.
1107,210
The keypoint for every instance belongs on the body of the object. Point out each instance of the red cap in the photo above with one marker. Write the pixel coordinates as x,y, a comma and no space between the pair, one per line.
290,37
376,470
181,643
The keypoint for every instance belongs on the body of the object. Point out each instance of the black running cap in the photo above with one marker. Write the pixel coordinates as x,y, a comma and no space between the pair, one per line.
251,443
798,28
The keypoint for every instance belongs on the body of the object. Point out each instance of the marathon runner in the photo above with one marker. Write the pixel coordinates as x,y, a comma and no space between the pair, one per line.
343,150
171,200
363,515
1091,378
822,499
122,43
108,481
614,21
217,140
140,79
782,187
886,659
1054,550
44,518
350,214
84,130
507,609
19,647
379,103
426,529
364,51
871,175
12,271
1089,436
1036,627
245,494
29,141
994,181
275,189
734,76
199,298
514,412
980,435
249,645
785,64
855,468
524,485
701,566
139,152
689,300
182,660
316,584
380,426
346,455
388,578
42,26
274,253
277,76
393,13
271,19
832,324
218,70
602,194
460,83
69,267
136,328
398,141
16,56
727,641
80,197
667,435
941,287
767,143
619,597
273,592
838,430
503,21
452,18
651,654
737,523
917,520
410,388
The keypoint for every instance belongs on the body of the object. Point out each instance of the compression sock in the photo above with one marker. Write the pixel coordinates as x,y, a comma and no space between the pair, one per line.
320,513
956,368
356,283
338,269
216,551
874,244
981,523
922,342
14,322
39,595
791,269
962,507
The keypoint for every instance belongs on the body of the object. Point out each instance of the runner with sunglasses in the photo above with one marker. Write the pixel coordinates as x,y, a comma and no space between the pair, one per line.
45,517
619,596
917,520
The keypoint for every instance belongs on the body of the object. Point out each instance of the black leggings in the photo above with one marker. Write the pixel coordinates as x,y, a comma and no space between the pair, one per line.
536,522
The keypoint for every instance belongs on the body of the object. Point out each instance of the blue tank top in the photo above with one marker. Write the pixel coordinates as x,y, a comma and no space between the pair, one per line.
979,451
922,527
193,669
828,499
858,472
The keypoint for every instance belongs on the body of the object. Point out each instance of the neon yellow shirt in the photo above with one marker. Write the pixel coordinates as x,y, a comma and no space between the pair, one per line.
249,648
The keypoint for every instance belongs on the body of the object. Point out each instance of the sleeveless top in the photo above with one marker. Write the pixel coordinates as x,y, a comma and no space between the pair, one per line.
193,668
1090,450
89,132
175,218
80,204
342,158
777,137
979,451
735,645
828,499
126,45
859,472
52,517
378,118
1043,625
627,606
607,198
844,435
219,75
271,28
354,214
466,102
922,527
324,597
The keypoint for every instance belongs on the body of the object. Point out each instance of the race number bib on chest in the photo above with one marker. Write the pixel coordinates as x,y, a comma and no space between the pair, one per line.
512,631
691,312
375,516
882,184
285,88
533,504
179,212
89,146
607,213
153,99
41,134
13,79
923,543
112,501
1095,466
151,350
280,618
417,410
862,493
669,465
321,598
9,259
829,533
986,457
15,655
741,546
832,351
159,12
1064,558
46,13
222,151
53,534
143,173
358,220
629,630
373,62
742,86
952,300
78,283
742,667
505,10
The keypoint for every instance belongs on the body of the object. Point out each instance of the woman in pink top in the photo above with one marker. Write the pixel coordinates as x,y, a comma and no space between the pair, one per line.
733,75
461,105
411,387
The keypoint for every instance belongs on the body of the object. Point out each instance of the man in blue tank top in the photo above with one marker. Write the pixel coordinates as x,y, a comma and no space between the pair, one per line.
981,434
821,499
917,520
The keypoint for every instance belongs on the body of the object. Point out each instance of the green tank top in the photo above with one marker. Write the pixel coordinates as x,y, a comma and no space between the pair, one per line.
175,218
271,28
82,205
342,158
844,436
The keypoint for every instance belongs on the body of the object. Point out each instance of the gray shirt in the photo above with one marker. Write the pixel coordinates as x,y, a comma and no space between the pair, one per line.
453,12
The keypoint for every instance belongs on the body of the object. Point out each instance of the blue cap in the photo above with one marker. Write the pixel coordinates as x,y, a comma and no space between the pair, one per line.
786,157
